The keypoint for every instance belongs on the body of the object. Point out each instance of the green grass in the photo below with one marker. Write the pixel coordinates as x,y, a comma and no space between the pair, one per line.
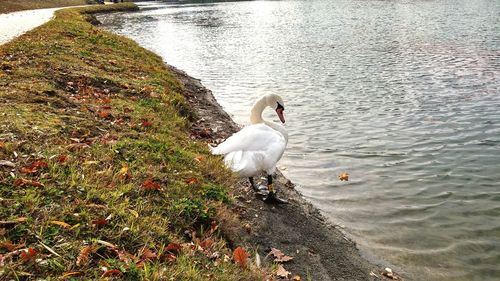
118,176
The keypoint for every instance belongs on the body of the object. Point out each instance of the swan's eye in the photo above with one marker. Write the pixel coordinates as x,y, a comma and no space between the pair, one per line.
280,106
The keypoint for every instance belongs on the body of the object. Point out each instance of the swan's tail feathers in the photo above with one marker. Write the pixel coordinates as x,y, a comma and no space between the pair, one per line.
215,150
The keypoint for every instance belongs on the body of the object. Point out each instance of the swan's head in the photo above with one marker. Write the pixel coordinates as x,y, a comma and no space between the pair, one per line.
276,102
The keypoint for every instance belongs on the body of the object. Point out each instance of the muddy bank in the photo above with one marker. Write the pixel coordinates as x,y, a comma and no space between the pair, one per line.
319,250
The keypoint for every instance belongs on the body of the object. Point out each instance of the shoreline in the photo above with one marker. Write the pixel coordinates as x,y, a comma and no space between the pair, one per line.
320,250
129,116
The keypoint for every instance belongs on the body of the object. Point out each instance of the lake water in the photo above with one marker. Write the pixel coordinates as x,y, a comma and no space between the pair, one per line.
402,95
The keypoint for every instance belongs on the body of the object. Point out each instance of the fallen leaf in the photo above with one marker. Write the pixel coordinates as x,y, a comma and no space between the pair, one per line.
150,185
7,245
279,256
282,272
103,114
147,254
34,167
71,274
61,223
14,221
296,278
85,252
28,255
100,222
146,123
110,272
24,182
62,158
240,256
3,231
207,243
192,181
173,247
344,176
199,158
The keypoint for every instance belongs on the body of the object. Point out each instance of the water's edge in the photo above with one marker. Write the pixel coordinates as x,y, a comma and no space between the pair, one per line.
207,108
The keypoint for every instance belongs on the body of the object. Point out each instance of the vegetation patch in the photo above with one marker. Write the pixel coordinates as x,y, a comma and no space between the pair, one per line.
98,174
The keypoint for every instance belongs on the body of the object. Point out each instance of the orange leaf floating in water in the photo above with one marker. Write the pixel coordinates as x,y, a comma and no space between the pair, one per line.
240,256
150,185
344,176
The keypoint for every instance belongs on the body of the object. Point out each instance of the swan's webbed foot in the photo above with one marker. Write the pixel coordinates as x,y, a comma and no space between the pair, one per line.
273,198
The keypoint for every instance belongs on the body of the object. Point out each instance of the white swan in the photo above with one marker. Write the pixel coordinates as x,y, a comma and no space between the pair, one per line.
258,147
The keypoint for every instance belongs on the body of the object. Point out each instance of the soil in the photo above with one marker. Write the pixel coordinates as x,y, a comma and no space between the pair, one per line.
319,250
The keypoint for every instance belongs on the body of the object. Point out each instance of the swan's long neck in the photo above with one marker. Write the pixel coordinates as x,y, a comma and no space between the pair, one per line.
256,113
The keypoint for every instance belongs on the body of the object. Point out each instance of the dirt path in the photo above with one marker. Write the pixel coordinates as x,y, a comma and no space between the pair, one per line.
17,23
319,251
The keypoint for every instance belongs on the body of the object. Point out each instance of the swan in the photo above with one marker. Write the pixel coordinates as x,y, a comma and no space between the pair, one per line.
258,147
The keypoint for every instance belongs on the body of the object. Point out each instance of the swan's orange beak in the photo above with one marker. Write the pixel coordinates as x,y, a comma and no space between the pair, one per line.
279,111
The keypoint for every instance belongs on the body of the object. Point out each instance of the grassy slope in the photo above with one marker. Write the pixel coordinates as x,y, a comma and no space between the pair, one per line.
103,116
7,6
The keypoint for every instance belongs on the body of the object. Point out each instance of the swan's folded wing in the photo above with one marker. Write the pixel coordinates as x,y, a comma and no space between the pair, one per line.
252,138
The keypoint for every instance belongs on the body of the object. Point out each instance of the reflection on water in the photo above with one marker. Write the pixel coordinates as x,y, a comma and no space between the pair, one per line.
403,95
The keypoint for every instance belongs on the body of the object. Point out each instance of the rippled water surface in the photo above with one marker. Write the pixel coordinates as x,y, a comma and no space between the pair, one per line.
403,95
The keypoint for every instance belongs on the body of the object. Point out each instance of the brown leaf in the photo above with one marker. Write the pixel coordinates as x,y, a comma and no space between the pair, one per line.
296,278
282,272
344,176
7,245
103,114
61,223
3,231
240,256
62,158
99,222
173,247
150,185
279,256
85,252
25,182
34,167
147,254
29,255
146,123
207,243
199,158
192,181
110,272
14,221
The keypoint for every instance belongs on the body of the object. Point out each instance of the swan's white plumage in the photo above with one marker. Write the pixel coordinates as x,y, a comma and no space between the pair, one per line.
255,148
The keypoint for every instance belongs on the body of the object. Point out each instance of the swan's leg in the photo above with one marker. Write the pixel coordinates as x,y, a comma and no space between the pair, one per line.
272,197
252,183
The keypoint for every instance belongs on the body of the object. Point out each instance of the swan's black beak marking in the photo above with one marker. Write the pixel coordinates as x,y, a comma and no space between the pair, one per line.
279,111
